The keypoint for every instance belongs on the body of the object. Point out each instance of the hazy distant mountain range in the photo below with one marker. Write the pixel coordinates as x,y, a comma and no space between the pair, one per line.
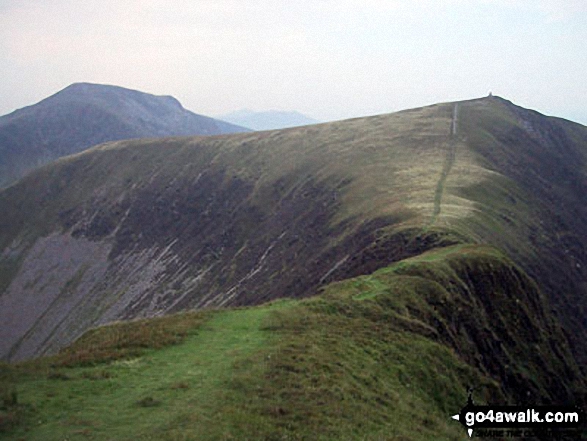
267,120
83,115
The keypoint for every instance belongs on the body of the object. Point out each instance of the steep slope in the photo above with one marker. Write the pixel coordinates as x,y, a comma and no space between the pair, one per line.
83,115
242,219
384,356
267,120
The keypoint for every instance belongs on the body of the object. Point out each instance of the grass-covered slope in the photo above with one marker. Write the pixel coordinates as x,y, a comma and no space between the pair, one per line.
533,206
142,228
384,356
145,228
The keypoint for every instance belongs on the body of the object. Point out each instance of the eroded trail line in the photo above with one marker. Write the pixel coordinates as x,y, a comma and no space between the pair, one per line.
455,117
448,163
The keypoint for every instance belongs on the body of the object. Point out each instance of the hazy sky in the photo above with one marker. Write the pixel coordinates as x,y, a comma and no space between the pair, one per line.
329,59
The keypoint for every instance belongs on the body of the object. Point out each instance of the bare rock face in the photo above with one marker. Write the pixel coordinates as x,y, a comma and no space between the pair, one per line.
51,289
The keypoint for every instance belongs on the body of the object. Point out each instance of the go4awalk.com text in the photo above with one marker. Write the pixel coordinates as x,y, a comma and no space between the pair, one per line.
520,421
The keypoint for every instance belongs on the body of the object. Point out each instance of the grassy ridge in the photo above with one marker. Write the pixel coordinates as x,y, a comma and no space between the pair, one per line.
384,356
233,220
244,219
248,218
530,202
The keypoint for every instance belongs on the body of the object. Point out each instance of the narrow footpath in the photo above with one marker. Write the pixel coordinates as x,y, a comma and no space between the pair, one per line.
448,163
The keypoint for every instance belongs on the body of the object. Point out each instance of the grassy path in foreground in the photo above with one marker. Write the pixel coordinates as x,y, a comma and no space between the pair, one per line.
175,389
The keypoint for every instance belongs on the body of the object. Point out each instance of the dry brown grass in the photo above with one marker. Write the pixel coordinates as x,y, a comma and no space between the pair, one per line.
128,339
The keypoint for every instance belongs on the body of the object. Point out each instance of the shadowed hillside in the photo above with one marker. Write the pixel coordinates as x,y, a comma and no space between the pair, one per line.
83,115
143,228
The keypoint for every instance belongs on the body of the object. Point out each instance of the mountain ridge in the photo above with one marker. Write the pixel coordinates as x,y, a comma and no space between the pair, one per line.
232,217
86,114
351,280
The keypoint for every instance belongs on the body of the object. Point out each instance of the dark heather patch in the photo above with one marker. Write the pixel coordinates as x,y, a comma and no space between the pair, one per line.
279,245
255,253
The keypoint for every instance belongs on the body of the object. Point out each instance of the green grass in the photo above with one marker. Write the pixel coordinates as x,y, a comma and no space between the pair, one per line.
277,372
381,356
141,394
332,376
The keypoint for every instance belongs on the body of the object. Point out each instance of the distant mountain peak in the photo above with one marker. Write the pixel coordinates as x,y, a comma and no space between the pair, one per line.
268,119
107,91
85,114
